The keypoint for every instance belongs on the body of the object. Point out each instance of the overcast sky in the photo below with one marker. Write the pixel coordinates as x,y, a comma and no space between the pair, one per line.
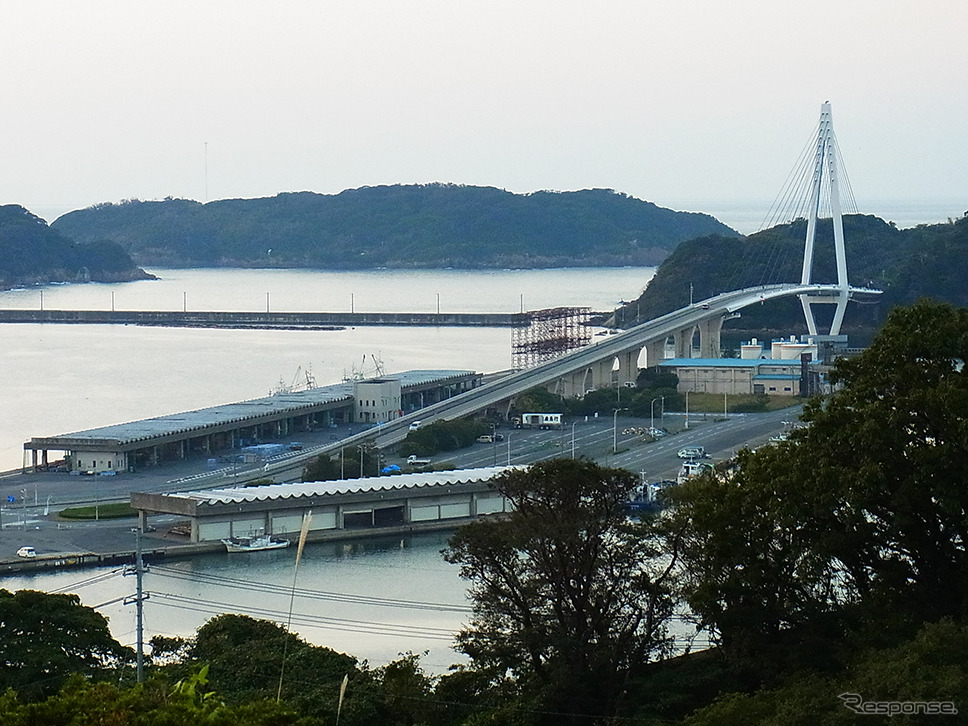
687,103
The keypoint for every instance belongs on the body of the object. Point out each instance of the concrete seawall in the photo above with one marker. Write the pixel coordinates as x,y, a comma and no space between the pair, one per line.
215,319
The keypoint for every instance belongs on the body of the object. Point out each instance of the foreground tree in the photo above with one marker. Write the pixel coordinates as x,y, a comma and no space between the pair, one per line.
247,658
45,638
568,599
859,519
154,703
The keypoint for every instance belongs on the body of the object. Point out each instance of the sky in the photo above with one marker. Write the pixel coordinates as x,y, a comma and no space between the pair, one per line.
701,105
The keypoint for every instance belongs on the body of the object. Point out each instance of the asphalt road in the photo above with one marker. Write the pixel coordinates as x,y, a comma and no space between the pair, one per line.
605,440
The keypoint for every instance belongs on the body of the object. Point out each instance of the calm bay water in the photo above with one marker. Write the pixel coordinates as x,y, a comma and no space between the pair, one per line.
64,378
370,599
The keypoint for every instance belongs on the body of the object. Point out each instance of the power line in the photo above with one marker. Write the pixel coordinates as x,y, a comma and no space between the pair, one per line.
262,587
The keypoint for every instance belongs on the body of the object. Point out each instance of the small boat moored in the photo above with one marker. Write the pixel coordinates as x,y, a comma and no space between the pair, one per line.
254,543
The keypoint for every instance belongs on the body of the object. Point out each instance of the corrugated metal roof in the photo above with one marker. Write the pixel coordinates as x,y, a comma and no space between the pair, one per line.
237,495
178,423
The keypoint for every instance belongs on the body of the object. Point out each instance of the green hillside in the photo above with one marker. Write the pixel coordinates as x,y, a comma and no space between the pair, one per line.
32,253
926,261
417,226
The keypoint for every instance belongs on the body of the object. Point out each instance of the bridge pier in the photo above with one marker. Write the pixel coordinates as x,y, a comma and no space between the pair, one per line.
709,337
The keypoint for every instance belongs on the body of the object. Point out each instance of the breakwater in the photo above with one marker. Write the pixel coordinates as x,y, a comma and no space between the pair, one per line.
269,320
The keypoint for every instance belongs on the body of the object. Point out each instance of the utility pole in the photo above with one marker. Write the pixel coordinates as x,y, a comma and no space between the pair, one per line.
138,599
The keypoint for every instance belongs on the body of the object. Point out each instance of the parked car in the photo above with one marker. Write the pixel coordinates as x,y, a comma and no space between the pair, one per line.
691,452
26,552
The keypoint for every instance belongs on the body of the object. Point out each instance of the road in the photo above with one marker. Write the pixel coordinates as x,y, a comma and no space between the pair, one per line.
600,440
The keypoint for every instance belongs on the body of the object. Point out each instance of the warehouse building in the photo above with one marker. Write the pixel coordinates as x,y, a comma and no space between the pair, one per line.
209,431
346,507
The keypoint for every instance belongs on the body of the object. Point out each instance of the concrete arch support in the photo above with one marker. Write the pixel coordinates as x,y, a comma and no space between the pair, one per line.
709,337
683,340
654,352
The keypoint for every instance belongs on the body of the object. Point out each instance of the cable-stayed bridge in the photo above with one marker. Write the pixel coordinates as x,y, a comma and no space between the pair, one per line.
614,360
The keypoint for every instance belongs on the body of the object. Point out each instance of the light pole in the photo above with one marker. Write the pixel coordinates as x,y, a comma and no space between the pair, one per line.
573,439
615,429
687,409
509,448
493,445
652,412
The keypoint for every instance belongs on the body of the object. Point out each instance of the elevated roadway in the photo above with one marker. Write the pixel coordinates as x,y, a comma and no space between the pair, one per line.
587,365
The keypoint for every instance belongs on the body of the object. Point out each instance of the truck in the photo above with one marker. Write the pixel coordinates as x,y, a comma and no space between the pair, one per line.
414,460
691,469
538,421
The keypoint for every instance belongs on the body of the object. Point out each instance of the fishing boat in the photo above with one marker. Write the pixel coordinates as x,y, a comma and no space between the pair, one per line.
254,543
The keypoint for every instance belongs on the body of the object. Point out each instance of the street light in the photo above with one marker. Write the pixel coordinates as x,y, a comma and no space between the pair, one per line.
687,409
509,448
573,439
652,412
615,429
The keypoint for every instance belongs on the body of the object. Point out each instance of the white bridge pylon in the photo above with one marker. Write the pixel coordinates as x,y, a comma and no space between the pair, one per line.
825,170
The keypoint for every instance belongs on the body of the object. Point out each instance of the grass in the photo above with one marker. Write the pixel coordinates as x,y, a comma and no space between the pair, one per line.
116,510
713,402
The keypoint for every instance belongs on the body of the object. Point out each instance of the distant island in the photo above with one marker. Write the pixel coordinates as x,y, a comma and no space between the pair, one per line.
927,261
396,227
32,253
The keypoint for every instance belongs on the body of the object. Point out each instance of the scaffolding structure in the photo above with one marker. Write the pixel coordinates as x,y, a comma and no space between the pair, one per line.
548,334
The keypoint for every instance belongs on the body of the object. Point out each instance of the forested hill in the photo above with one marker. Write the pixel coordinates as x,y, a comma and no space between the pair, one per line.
31,252
907,264
425,226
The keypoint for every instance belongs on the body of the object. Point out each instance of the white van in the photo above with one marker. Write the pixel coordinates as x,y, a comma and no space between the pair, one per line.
691,452
26,552
415,425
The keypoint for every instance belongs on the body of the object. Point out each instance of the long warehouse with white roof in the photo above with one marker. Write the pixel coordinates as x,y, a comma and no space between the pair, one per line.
403,502
150,442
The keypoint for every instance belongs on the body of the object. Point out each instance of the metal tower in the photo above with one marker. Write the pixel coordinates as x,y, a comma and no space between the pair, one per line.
825,170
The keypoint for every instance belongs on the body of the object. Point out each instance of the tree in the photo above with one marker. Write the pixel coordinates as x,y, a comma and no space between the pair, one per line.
325,468
859,518
442,436
45,638
154,703
245,659
566,597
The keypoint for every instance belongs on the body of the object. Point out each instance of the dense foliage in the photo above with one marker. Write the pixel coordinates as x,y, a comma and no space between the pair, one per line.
31,252
926,261
346,464
46,638
442,436
432,226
